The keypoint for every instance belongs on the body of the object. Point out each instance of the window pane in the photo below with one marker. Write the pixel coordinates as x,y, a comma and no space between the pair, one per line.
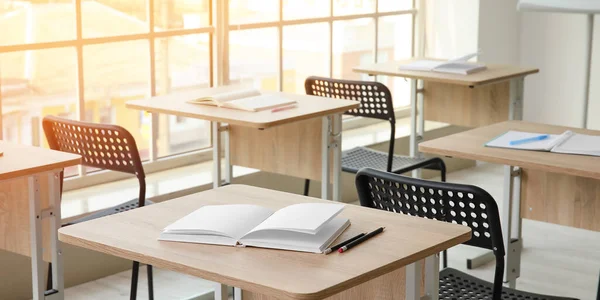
182,63
253,58
397,47
113,17
352,7
181,14
305,53
253,11
304,9
391,5
353,45
27,22
34,84
113,74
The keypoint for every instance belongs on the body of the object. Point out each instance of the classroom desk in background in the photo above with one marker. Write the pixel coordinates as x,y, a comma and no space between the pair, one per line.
550,187
30,209
478,99
373,270
298,142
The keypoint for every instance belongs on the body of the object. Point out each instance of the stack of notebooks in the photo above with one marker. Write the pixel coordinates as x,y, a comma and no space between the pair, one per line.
307,227
245,99
457,65
567,142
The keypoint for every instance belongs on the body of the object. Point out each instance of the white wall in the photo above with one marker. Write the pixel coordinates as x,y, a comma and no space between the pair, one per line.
451,27
554,43
498,34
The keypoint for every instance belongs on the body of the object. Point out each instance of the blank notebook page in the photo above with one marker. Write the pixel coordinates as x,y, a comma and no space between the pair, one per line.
234,220
305,217
504,140
580,144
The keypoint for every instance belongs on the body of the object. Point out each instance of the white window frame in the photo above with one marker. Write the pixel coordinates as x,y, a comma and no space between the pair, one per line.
218,31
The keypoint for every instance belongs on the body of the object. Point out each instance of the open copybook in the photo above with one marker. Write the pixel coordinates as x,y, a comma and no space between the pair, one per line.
568,142
457,65
245,99
306,227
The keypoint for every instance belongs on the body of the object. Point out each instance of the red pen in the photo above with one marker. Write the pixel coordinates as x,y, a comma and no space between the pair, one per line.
283,108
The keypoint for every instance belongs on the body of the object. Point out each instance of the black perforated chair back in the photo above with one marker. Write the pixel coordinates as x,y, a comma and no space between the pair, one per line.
374,97
454,203
103,146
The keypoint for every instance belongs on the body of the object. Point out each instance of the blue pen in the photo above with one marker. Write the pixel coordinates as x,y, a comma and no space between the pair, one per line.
529,140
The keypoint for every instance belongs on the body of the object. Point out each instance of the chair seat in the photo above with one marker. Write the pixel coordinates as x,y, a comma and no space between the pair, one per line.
456,285
362,157
129,205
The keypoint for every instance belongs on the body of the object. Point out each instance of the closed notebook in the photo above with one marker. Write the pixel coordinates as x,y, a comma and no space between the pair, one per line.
567,142
245,99
306,227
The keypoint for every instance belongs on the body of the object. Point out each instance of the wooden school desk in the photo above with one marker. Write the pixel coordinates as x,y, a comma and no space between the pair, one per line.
294,142
30,193
550,187
373,270
474,100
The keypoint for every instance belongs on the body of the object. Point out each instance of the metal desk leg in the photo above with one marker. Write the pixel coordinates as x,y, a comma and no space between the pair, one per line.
417,121
511,233
413,281
325,143
221,290
54,213
515,107
228,166
36,215
35,221
336,145
216,146
432,277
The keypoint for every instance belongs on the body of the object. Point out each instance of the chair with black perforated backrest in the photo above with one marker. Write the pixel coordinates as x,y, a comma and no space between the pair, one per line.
375,102
107,147
453,203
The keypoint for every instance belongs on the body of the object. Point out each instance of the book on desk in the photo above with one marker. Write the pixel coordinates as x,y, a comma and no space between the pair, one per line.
568,142
459,65
245,99
306,227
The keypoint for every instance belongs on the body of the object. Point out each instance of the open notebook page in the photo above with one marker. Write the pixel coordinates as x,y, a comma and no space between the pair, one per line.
232,95
298,241
579,144
230,220
305,217
504,140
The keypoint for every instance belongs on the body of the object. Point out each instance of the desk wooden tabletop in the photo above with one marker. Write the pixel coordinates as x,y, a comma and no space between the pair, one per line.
470,145
308,107
283,274
494,73
22,160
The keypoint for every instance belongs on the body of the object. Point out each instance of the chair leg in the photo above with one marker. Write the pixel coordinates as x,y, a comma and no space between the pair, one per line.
134,280
306,186
49,278
150,283
443,178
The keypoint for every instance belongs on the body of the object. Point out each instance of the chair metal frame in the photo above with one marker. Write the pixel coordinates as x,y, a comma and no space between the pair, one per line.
104,146
447,202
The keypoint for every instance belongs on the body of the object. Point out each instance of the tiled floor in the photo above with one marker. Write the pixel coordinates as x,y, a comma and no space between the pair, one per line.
556,260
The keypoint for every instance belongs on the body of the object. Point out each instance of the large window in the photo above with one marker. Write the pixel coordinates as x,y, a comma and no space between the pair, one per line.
83,59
